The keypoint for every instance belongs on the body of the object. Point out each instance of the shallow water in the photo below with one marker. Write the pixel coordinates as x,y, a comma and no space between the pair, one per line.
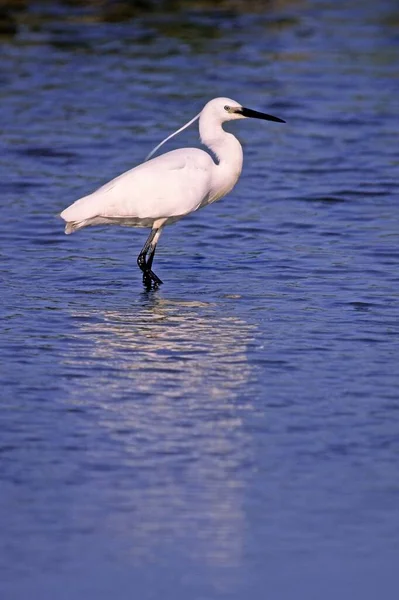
235,432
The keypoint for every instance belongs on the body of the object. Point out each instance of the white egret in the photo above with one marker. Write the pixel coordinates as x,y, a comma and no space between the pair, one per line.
166,188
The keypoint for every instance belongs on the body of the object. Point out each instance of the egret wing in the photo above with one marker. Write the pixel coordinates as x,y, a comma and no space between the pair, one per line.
170,185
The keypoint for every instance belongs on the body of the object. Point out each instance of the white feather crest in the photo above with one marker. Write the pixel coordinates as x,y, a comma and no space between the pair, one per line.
170,136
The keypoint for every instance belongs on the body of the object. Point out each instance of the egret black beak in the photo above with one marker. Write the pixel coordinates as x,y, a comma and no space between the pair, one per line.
254,114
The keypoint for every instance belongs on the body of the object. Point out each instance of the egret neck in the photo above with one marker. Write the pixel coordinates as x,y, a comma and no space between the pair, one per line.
228,151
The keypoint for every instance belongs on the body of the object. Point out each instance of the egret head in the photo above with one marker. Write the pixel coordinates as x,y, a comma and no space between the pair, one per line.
217,111
226,109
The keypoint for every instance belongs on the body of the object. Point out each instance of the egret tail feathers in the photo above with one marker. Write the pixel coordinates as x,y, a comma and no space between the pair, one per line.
74,226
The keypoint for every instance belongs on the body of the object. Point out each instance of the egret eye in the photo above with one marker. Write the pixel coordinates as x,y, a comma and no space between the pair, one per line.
227,108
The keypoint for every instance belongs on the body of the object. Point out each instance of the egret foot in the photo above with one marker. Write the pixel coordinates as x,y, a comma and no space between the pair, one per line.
150,280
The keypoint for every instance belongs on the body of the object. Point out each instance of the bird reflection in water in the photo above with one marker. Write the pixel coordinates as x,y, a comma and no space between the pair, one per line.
167,379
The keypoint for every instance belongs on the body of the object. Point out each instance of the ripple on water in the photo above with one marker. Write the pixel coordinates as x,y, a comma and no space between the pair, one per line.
237,428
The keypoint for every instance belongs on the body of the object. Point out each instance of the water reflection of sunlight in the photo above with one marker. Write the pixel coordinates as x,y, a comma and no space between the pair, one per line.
169,348
166,377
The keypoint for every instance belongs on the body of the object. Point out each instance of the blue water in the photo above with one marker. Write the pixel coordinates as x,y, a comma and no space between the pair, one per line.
235,433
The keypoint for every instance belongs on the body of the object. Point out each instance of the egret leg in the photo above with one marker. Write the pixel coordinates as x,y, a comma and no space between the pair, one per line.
149,276
150,257
145,265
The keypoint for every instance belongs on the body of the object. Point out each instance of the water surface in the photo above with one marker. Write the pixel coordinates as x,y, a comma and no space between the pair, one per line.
234,433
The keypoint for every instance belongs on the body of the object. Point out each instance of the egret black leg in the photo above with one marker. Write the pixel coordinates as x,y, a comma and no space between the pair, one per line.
150,276
151,255
145,265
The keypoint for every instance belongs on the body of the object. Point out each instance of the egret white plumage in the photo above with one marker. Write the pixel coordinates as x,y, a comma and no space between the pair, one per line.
162,190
